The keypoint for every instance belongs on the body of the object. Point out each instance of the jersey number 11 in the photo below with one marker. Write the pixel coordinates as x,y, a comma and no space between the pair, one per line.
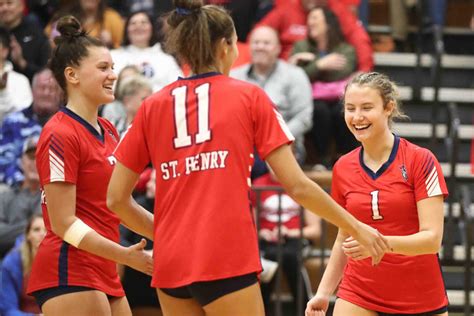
183,139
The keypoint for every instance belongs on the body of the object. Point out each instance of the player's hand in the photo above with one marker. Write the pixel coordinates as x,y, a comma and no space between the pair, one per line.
317,306
140,259
353,249
375,243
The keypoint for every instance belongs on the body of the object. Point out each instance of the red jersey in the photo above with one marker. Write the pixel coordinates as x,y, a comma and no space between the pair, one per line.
386,200
71,150
270,203
200,133
289,19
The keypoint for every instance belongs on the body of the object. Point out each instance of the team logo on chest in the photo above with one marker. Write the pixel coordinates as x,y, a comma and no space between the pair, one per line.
112,160
404,172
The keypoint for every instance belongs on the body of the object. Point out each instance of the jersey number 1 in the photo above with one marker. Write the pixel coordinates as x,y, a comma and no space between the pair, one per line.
375,206
183,139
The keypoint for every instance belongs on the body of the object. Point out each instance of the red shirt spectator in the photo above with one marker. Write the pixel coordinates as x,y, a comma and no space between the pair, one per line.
290,22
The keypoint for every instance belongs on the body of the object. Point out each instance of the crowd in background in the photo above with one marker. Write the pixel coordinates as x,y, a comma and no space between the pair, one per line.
301,52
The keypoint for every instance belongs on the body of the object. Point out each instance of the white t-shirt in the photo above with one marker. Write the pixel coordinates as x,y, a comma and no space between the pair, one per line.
17,94
160,67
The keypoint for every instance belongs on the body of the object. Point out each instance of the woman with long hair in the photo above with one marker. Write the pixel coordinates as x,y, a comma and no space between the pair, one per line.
328,61
75,268
16,269
141,48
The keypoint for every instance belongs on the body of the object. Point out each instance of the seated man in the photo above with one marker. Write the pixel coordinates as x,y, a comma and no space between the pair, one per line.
286,85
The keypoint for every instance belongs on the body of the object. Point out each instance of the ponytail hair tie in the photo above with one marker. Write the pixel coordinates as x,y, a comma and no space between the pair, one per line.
183,11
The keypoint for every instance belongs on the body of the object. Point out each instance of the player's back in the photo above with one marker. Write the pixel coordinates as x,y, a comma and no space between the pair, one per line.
200,134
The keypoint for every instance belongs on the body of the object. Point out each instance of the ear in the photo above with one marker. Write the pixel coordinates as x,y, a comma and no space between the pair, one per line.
71,75
223,47
390,107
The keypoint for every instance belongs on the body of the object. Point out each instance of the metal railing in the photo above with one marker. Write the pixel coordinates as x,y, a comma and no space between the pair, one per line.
278,288
452,148
436,66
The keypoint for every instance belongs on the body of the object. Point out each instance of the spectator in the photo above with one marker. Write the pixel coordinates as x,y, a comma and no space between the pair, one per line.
16,271
115,111
141,48
286,85
97,18
17,126
29,46
131,92
17,205
328,61
15,90
289,20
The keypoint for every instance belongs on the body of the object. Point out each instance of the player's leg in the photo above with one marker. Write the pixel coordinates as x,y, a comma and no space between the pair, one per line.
246,301
119,306
173,306
344,308
90,302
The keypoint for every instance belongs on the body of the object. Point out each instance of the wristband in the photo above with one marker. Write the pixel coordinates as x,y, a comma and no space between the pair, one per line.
76,232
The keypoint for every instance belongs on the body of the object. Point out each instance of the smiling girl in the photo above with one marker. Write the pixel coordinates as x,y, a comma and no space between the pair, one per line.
75,268
397,188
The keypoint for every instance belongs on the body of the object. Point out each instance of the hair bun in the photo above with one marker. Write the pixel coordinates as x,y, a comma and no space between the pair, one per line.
69,27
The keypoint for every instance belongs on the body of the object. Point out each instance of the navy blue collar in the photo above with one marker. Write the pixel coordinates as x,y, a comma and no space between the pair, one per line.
200,76
84,123
391,158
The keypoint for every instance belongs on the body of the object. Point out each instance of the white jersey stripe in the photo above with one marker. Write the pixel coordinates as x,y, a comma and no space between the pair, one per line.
432,184
53,161
56,167
56,174
53,155
435,191
283,126
431,179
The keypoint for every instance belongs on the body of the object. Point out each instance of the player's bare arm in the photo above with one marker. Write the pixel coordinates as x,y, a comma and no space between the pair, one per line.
121,202
62,214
